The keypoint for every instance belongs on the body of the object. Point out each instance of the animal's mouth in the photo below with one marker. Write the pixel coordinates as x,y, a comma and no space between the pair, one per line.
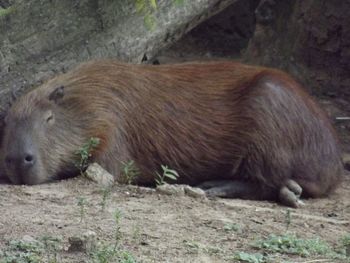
27,177
16,179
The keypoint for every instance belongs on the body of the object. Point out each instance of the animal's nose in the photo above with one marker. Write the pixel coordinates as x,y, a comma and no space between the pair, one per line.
28,160
24,161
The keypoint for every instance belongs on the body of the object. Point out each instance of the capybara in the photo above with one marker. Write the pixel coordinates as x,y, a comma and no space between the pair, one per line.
243,131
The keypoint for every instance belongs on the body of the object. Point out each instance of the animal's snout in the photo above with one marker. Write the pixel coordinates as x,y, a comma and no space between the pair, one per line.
23,161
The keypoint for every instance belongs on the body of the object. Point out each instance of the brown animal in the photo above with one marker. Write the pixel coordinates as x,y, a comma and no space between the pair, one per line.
251,132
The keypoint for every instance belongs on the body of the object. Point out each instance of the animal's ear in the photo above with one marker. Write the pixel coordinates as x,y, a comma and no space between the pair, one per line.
57,94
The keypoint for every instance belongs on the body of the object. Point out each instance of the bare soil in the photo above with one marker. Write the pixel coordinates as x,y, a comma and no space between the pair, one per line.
163,228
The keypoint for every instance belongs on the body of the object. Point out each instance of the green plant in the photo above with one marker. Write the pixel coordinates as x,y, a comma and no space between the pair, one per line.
106,192
106,253
192,246
21,252
117,232
290,244
212,250
229,227
33,251
52,245
129,172
166,174
249,257
136,233
82,210
85,153
345,244
196,247
288,218
5,12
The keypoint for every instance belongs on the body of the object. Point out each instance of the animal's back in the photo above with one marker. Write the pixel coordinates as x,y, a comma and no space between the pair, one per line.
173,115
220,119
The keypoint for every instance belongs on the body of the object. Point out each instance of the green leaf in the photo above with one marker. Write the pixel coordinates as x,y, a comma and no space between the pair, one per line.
150,22
170,176
250,258
140,5
153,3
179,2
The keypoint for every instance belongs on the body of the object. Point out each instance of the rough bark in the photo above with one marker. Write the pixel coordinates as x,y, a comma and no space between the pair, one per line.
41,38
308,38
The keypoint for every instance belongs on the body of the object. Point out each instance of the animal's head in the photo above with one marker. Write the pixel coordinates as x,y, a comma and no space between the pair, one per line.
39,138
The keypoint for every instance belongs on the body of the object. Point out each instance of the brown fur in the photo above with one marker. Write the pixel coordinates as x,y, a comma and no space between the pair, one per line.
208,121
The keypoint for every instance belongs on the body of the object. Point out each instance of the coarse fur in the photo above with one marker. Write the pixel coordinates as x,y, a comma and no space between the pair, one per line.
208,121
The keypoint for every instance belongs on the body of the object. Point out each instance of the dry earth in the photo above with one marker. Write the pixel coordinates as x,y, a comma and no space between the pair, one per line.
162,228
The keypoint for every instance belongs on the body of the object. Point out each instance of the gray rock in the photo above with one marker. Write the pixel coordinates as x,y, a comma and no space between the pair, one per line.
171,189
83,243
99,175
194,192
29,239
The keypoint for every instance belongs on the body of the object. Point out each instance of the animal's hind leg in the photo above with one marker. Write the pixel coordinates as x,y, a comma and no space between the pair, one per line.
288,194
237,189
213,183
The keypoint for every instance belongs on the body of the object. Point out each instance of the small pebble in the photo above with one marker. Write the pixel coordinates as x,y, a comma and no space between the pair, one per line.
84,243
194,192
171,189
99,175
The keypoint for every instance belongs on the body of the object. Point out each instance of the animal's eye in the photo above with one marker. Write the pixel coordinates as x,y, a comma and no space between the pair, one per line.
49,117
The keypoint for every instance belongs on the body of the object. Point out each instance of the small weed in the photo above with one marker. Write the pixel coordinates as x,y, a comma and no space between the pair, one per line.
106,192
345,244
195,247
106,253
288,218
129,172
166,174
232,227
136,233
273,246
290,244
117,232
103,254
249,257
211,250
26,246
85,153
192,246
82,207
20,251
5,12
52,245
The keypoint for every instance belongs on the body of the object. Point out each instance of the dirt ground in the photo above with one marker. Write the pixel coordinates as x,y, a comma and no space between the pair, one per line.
163,228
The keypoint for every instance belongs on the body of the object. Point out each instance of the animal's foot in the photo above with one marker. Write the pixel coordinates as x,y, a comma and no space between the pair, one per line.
290,193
